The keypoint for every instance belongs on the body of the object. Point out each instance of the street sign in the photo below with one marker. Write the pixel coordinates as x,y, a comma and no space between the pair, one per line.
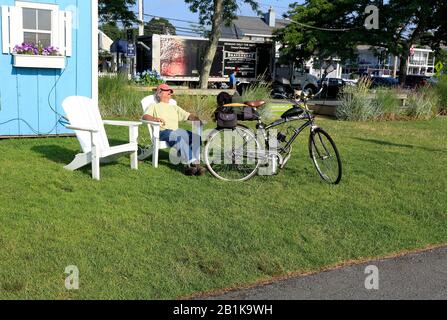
438,67
130,50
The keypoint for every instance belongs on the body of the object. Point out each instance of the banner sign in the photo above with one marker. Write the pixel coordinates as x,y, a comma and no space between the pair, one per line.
240,55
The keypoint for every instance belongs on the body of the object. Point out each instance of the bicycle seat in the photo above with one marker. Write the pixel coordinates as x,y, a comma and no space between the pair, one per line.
234,105
255,104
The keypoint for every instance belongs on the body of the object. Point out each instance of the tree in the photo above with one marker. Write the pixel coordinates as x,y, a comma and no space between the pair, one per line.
411,22
159,26
322,29
112,30
116,11
214,13
334,28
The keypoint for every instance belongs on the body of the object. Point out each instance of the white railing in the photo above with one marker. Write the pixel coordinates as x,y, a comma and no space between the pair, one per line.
418,62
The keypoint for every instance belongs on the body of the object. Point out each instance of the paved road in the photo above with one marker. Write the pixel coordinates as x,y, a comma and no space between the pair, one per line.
414,276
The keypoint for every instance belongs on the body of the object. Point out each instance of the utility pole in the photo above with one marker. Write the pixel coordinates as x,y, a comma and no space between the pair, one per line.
140,31
141,18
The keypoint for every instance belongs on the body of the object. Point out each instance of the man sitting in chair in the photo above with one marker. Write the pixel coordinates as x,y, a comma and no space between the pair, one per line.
169,116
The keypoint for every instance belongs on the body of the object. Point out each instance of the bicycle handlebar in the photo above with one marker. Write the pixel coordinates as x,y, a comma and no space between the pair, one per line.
303,96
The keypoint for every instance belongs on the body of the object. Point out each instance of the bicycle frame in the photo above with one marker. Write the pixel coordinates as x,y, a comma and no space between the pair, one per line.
248,154
264,154
305,116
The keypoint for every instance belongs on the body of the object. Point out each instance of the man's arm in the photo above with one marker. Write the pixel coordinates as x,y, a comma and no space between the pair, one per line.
193,117
154,119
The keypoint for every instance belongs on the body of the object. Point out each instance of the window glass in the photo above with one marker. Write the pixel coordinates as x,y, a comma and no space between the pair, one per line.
29,18
34,37
37,25
44,39
29,37
44,20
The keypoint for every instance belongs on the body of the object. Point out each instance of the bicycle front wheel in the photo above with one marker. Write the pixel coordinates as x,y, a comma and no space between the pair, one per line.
232,154
325,156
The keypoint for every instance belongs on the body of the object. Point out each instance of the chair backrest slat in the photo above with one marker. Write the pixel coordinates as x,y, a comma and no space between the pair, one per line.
82,112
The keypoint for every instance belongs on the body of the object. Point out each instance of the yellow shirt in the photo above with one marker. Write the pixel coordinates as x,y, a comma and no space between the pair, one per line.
171,114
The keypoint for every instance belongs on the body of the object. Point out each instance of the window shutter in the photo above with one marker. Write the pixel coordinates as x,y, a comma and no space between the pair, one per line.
63,34
15,27
68,31
12,24
55,30
5,29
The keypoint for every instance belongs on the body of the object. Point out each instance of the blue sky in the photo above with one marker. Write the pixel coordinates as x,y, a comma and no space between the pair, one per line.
178,9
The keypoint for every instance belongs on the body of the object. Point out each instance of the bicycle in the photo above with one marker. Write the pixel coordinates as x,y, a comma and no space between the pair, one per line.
237,153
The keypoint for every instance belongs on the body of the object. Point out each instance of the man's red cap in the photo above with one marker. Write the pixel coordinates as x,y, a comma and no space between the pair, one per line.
164,87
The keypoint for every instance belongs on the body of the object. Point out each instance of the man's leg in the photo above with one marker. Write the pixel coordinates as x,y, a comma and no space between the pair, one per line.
174,139
165,135
184,142
189,145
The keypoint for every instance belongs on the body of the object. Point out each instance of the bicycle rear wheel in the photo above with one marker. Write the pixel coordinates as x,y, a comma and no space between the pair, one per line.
325,156
232,154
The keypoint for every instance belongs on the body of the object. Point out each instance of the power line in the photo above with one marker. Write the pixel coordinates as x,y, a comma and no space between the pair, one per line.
253,29
173,19
272,5
323,29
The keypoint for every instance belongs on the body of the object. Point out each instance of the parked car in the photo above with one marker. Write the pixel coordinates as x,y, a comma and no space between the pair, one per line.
281,90
413,81
332,87
384,82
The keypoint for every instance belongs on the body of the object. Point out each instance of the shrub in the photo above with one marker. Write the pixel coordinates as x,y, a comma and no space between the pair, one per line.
202,106
441,88
148,78
423,103
357,104
387,104
259,90
118,99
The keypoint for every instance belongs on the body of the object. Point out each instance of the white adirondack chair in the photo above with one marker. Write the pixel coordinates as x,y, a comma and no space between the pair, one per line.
154,133
85,120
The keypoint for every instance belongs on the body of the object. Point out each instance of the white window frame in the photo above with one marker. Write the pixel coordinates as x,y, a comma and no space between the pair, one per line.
13,32
54,8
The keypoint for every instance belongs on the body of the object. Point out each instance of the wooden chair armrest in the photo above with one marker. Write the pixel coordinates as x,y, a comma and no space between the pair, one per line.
81,128
122,123
152,123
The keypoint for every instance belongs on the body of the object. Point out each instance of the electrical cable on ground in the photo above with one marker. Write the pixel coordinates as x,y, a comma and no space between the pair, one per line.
62,119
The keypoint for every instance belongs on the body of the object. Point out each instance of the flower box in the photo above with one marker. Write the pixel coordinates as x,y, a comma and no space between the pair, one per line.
39,61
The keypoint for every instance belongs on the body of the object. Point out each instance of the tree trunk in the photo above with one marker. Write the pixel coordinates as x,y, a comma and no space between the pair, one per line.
212,44
403,67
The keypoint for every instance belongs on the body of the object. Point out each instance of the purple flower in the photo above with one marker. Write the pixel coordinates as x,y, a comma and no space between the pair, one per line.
33,49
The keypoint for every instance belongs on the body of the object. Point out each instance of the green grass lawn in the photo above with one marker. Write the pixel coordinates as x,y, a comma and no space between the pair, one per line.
157,234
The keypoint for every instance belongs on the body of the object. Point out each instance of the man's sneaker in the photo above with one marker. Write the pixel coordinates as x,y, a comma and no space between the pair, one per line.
200,170
190,170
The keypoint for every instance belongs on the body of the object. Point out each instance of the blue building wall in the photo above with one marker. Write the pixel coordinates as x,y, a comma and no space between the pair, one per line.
27,95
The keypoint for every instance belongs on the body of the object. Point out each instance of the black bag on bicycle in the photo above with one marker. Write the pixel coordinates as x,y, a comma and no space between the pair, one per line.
226,118
247,114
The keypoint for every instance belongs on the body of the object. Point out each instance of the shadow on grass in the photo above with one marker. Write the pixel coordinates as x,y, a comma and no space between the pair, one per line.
56,153
163,160
117,142
65,156
392,144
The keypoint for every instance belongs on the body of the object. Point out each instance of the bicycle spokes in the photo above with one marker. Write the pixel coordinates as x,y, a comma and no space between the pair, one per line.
325,156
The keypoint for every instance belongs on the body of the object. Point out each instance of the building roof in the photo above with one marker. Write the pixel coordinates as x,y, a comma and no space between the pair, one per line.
104,42
254,26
